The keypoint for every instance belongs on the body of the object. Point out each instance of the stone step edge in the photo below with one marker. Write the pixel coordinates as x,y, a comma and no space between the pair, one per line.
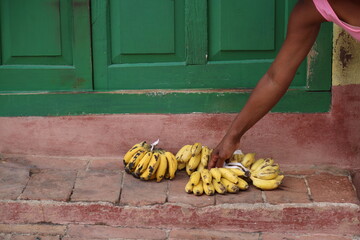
343,218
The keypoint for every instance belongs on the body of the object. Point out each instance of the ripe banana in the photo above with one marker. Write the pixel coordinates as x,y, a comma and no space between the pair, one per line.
266,174
206,176
216,174
184,154
257,164
236,158
163,164
195,178
196,149
193,162
137,147
209,189
143,164
200,167
238,172
198,189
219,188
134,161
153,165
242,184
229,175
248,160
266,184
230,186
205,155
189,187
172,163
181,165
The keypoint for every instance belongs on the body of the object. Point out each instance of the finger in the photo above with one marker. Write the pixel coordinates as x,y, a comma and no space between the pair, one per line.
213,160
220,162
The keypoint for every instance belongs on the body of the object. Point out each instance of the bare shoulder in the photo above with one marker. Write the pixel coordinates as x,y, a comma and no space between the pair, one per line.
306,13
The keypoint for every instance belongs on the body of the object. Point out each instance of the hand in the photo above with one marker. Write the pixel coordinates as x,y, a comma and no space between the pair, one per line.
223,151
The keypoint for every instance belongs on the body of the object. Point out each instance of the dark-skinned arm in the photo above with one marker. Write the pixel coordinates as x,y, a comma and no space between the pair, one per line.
303,28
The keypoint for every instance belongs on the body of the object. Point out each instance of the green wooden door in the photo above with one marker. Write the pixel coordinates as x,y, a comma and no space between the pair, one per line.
45,45
187,44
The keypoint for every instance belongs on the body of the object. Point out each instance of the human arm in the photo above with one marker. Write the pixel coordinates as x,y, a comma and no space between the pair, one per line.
303,28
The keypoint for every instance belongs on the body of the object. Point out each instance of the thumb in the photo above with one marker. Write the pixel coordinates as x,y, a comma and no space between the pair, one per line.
213,160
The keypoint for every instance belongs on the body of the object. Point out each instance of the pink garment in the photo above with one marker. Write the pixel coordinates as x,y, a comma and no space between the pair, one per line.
328,13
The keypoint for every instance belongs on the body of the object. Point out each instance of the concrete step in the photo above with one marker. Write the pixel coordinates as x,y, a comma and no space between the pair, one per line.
80,198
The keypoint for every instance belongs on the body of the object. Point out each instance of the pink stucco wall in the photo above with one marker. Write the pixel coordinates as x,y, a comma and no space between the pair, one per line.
328,138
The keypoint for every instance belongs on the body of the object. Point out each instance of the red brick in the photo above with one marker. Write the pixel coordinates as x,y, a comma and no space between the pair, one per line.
302,236
33,229
20,212
139,193
177,193
12,182
292,190
331,188
97,186
109,164
251,195
295,169
34,237
211,235
50,185
46,162
105,232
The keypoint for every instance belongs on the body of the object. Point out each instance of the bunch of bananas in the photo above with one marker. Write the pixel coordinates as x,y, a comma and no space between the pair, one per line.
264,173
193,157
216,180
147,163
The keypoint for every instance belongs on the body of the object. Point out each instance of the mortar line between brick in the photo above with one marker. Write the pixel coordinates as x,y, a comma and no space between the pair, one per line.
263,196
87,165
308,190
167,191
26,184
73,187
260,236
121,187
352,183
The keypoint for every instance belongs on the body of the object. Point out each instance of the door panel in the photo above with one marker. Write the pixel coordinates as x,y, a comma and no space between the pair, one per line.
45,45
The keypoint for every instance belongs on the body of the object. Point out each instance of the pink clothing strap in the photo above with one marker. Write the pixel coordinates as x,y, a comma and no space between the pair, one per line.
328,13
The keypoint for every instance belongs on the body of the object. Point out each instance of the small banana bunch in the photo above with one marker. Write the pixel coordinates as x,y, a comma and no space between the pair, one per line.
265,174
193,157
147,163
216,180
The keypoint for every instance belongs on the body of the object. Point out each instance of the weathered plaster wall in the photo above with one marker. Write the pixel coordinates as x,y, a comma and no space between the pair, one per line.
346,59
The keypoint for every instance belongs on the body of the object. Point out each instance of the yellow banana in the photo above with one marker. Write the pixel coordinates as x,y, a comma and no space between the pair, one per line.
266,174
229,175
230,186
188,169
163,165
194,162
153,165
200,167
189,187
242,184
209,189
195,178
134,161
184,154
216,174
137,147
265,184
143,164
196,149
206,176
198,189
279,178
219,187
236,157
172,163
237,172
267,162
205,156
257,163
248,160
181,166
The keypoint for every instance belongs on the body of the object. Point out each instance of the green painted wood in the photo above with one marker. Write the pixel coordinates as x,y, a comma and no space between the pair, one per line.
45,45
158,102
196,32
320,61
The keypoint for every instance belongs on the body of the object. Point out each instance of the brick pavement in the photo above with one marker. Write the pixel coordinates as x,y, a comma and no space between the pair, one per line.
95,199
